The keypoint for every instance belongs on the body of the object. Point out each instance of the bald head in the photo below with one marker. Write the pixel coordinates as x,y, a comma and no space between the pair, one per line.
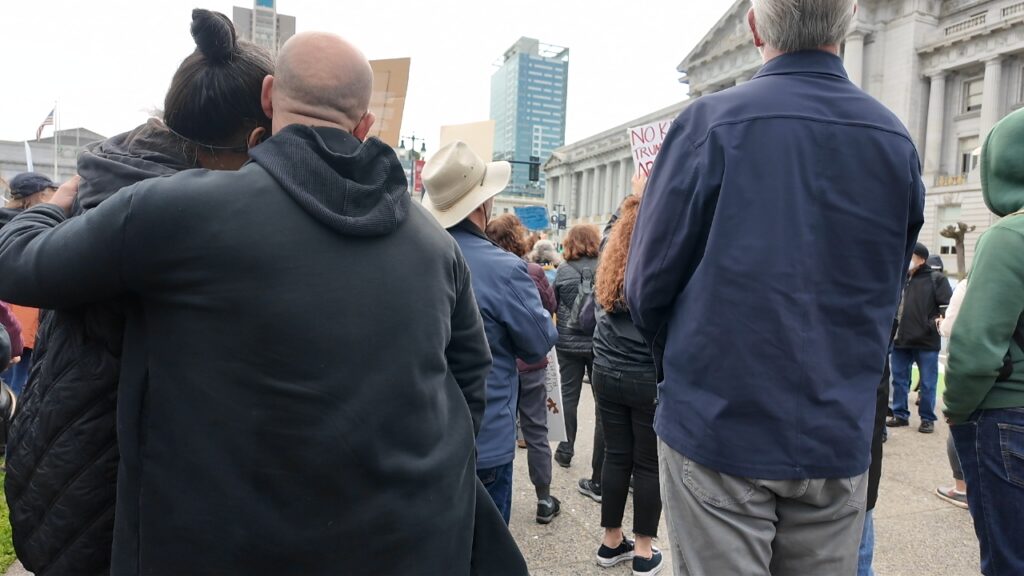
321,79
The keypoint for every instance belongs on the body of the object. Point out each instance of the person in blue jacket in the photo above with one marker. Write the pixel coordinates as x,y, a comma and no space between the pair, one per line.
460,192
770,354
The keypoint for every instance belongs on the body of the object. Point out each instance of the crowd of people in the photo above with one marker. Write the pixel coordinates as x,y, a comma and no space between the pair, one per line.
257,353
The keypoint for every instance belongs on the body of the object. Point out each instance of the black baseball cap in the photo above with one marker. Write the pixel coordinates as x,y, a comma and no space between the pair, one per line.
28,183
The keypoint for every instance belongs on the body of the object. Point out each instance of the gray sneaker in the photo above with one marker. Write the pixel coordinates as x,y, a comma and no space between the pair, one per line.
950,494
590,489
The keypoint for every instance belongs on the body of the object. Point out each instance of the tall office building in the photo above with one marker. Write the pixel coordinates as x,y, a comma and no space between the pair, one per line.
262,25
528,106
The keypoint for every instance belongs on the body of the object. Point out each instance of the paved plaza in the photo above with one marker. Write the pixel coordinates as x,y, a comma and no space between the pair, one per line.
916,533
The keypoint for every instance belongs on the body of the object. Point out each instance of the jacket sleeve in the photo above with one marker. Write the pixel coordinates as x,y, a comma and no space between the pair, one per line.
528,324
987,321
13,328
468,355
546,292
955,302
915,219
943,291
671,229
51,262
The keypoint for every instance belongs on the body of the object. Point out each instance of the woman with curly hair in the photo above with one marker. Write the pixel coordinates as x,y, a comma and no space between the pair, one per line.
626,387
508,232
575,346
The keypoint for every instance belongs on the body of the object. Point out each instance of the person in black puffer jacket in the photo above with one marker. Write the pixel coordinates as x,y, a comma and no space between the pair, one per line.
575,348
62,460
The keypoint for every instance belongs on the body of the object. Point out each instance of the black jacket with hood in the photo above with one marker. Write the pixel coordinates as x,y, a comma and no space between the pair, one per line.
303,379
925,292
62,452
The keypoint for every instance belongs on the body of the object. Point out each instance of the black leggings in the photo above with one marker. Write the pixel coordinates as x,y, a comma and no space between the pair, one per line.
627,401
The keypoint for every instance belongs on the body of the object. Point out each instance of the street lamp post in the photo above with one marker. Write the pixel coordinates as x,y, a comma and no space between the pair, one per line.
413,157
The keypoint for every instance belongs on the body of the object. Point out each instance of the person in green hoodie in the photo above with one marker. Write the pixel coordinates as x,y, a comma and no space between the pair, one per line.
984,398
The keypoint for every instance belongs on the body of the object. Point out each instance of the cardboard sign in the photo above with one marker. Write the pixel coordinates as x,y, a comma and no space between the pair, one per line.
390,86
645,143
479,136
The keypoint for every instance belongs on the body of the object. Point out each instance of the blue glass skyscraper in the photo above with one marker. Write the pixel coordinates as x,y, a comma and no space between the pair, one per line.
528,106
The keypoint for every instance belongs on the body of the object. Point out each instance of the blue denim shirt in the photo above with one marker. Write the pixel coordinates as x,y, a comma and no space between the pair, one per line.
765,270
517,326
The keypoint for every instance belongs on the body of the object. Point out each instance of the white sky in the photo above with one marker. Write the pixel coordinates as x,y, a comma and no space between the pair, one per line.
109,61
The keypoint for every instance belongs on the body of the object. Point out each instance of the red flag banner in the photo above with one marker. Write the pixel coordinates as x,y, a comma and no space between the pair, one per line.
418,182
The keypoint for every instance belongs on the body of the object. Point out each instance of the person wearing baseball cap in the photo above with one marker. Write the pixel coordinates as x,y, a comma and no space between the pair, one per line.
29,189
918,340
26,190
460,194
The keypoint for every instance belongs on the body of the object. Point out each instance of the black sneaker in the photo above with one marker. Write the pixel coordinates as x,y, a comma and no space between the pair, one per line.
547,509
897,422
927,427
608,557
590,489
562,460
647,566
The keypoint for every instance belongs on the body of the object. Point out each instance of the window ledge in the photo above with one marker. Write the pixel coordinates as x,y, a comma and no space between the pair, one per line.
968,115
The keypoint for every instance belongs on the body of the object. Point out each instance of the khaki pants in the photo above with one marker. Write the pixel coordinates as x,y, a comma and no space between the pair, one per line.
723,525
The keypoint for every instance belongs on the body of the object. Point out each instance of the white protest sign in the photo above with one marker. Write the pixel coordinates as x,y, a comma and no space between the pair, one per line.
556,418
645,143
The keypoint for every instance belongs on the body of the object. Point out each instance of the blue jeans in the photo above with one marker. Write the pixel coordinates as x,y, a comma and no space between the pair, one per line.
928,365
17,375
991,450
498,482
867,546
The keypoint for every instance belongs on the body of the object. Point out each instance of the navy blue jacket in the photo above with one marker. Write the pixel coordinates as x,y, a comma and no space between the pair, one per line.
517,326
770,352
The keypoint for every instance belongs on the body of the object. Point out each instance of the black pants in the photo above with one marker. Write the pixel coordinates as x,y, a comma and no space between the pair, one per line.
627,401
572,367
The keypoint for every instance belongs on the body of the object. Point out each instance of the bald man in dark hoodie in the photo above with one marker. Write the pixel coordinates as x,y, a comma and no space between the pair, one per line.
278,320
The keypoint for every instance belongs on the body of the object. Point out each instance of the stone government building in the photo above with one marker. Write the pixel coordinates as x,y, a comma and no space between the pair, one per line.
949,69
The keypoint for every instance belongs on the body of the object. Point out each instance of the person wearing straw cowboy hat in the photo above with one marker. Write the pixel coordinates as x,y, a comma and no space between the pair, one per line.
460,194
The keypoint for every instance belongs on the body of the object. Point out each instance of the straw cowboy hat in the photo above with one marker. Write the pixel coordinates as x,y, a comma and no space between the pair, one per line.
458,182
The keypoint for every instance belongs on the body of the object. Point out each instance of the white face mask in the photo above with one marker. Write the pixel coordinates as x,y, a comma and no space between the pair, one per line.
912,266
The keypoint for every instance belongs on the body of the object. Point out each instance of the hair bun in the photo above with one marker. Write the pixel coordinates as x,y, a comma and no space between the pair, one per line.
214,35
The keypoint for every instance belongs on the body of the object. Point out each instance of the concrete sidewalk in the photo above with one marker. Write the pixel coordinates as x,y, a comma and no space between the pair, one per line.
916,533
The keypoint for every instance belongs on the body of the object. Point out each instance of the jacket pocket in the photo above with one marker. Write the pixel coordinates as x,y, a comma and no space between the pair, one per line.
1011,443
714,488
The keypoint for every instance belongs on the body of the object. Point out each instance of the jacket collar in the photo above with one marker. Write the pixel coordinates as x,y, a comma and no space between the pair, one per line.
468,226
805,62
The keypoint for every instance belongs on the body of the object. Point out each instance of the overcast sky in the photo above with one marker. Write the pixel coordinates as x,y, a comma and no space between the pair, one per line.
110,61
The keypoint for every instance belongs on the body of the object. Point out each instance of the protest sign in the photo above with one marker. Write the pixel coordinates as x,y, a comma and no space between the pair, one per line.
645,143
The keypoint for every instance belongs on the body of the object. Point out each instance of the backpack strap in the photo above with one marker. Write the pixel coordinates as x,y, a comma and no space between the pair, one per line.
1018,336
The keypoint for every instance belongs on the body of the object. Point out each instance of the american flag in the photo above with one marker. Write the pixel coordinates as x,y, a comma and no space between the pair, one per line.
47,122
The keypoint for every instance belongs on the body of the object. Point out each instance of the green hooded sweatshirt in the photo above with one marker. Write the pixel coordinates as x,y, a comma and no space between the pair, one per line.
994,303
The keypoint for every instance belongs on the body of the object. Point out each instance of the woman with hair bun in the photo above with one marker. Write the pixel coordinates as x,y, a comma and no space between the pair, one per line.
62,453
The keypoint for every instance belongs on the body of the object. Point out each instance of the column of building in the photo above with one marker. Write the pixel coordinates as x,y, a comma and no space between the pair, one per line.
990,112
934,128
853,57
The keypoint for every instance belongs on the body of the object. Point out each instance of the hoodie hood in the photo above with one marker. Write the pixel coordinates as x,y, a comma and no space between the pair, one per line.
356,188
1002,171
146,152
